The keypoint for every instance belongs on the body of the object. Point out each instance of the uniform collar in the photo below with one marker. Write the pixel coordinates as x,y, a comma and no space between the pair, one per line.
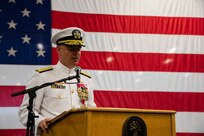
65,69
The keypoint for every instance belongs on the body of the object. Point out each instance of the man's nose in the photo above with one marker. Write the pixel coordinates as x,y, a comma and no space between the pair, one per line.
76,51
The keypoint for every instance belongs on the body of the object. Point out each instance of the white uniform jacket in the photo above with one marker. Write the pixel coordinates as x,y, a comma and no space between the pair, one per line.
53,100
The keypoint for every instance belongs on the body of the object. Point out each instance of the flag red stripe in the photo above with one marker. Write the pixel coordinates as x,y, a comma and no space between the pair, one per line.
179,101
121,23
5,96
189,134
143,61
150,100
12,132
21,132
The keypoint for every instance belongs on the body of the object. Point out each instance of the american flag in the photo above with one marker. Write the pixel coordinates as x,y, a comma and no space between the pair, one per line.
142,54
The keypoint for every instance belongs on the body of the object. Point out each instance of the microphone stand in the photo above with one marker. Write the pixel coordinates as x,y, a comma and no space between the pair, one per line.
30,131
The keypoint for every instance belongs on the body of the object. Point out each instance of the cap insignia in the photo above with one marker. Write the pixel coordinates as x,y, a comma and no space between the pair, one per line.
76,34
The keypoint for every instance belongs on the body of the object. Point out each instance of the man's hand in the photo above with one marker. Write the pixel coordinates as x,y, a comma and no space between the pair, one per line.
44,124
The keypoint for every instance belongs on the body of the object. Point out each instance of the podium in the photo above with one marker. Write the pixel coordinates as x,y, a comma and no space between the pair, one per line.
113,122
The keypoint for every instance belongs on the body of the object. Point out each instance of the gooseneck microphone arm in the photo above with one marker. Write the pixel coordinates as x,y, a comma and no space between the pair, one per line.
42,86
32,94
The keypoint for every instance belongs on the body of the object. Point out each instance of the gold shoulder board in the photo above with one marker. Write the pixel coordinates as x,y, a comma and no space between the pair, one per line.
41,70
84,74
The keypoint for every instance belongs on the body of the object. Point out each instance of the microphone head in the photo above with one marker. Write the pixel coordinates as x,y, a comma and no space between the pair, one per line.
77,69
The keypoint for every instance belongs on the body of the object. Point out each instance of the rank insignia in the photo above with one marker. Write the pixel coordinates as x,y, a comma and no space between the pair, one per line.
58,86
41,70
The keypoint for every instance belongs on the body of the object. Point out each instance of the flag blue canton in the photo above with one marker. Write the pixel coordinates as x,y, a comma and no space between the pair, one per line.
25,31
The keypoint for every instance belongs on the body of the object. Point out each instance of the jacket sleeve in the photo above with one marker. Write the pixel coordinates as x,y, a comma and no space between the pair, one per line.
36,80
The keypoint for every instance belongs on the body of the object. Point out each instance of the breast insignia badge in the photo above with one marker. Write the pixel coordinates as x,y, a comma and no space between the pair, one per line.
134,126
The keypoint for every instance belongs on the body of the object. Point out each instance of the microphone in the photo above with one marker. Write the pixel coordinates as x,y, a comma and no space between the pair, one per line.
78,71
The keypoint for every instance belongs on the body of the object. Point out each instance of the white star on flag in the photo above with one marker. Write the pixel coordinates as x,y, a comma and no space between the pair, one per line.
12,24
39,2
12,52
26,39
40,25
12,1
41,52
25,12
1,38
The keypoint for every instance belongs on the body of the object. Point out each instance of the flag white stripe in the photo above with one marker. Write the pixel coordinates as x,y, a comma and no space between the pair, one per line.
191,122
115,42
133,7
16,74
131,81
149,81
9,120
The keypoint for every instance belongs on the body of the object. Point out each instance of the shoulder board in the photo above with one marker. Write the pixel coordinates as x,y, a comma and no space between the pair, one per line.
41,70
84,74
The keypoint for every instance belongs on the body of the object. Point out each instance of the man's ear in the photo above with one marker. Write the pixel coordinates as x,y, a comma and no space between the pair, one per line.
58,50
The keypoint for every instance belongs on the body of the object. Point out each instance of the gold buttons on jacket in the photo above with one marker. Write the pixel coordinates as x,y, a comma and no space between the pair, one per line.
72,91
58,97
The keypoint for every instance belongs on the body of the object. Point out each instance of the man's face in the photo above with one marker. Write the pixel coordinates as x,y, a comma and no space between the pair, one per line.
69,55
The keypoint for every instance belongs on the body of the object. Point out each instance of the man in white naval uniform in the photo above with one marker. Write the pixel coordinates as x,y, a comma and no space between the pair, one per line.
57,98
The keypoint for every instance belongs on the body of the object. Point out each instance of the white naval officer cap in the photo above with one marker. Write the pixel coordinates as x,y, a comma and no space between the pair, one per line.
71,36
